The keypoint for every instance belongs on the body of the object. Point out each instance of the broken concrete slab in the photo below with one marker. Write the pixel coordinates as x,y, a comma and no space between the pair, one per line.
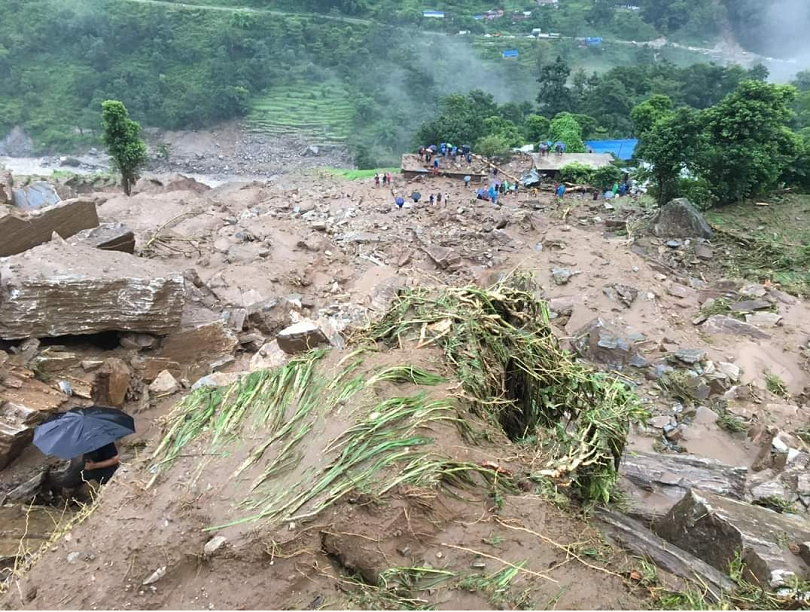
200,350
36,195
638,539
598,343
20,232
56,290
721,324
107,237
680,219
300,337
716,529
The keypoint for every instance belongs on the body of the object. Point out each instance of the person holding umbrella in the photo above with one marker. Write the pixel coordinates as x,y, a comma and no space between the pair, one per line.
87,436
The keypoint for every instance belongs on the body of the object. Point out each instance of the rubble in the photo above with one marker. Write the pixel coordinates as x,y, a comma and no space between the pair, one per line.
107,237
443,257
112,383
715,529
36,195
269,356
721,324
200,350
680,219
102,291
623,294
164,384
300,337
764,319
20,232
598,343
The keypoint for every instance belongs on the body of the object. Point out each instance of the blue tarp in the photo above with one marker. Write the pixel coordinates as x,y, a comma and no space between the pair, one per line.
510,54
623,149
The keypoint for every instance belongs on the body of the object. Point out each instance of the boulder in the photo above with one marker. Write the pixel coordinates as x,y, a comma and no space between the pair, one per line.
764,319
384,294
269,356
680,219
635,537
674,475
270,316
164,384
151,367
20,231
36,195
749,305
300,337
58,290
112,383
6,188
443,257
690,356
107,237
200,350
715,529
721,324
600,344
623,294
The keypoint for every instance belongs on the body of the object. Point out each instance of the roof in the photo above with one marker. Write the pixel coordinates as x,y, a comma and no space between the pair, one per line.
623,149
511,53
412,163
554,162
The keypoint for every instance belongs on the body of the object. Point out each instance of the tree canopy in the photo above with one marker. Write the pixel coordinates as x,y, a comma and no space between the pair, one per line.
121,136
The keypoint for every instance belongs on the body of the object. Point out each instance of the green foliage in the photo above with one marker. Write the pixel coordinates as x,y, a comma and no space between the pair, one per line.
577,173
460,120
776,385
564,128
537,128
605,177
122,139
493,146
648,113
555,97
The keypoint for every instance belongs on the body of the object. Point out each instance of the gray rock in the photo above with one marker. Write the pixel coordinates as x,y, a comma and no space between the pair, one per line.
268,357
690,356
598,343
36,195
771,488
137,341
764,319
300,337
214,544
679,291
164,384
107,237
733,372
703,251
721,324
753,291
443,257
674,244
624,294
660,422
73,557
561,276
680,219
705,416
749,305
715,529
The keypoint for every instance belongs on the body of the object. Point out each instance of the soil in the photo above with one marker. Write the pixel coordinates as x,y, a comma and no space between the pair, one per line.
330,248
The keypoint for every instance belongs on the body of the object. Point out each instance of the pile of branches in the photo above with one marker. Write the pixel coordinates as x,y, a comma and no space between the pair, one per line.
513,370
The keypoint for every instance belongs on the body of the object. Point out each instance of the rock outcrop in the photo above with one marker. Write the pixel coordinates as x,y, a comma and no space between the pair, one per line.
200,350
680,219
58,290
22,231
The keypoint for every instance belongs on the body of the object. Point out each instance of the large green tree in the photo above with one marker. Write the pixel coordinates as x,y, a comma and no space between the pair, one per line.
564,128
554,96
645,115
121,135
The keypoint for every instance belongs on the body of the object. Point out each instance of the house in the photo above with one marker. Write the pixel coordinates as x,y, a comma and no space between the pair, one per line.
623,149
551,164
433,14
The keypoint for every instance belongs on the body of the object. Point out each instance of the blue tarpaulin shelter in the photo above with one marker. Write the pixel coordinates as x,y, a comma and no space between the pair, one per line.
623,149
510,54
435,14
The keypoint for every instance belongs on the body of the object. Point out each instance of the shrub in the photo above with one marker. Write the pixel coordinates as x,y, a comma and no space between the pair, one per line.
604,178
576,172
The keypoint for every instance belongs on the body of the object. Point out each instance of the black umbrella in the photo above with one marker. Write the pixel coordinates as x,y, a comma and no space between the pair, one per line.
82,430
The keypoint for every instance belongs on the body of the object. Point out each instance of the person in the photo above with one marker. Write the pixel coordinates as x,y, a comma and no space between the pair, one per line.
435,167
376,180
454,152
446,201
416,196
431,199
595,195
439,198
493,194
422,153
467,180
615,189
560,191
622,189
399,201
101,464
428,155
469,158
390,179
543,149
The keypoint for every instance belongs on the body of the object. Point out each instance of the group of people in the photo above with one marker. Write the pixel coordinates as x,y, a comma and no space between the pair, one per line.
416,197
496,189
545,148
383,178
445,150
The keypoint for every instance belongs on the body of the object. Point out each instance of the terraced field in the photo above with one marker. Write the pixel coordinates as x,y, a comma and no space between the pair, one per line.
322,113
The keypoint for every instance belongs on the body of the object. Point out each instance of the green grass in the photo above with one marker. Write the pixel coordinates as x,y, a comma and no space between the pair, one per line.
323,112
776,385
356,175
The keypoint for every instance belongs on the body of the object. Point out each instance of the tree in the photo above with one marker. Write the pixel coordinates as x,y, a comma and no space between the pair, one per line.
671,147
645,115
121,135
537,128
750,145
564,128
493,146
602,12
605,177
554,96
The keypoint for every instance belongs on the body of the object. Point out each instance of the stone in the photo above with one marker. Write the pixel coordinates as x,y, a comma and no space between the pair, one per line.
673,433
73,557
623,294
634,536
690,356
753,291
112,383
270,316
561,276
680,219
749,305
252,341
27,491
443,257
137,342
703,251
50,362
21,231
721,324
562,306
36,195
200,349
660,422
679,291
214,544
6,188
269,356
600,344
58,290
151,367
772,488
300,337
715,529
217,379
733,372
107,237
164,384
384,293
236,318
155,576
705,416
764,319
783,297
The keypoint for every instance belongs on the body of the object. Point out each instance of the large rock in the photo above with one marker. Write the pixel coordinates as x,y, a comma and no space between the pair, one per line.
721,324
680,219
39,194
201,350
268,357
164,384
598,343
58,290
112,383
715,529
22,231
6,188
674,475
300,337
107,237
443,257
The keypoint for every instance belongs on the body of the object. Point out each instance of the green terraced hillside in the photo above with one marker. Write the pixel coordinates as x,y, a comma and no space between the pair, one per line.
321,113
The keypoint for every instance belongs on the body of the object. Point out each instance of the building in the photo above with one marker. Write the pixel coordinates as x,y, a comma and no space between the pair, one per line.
622,149
433,14
511,54
412,167
551,164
